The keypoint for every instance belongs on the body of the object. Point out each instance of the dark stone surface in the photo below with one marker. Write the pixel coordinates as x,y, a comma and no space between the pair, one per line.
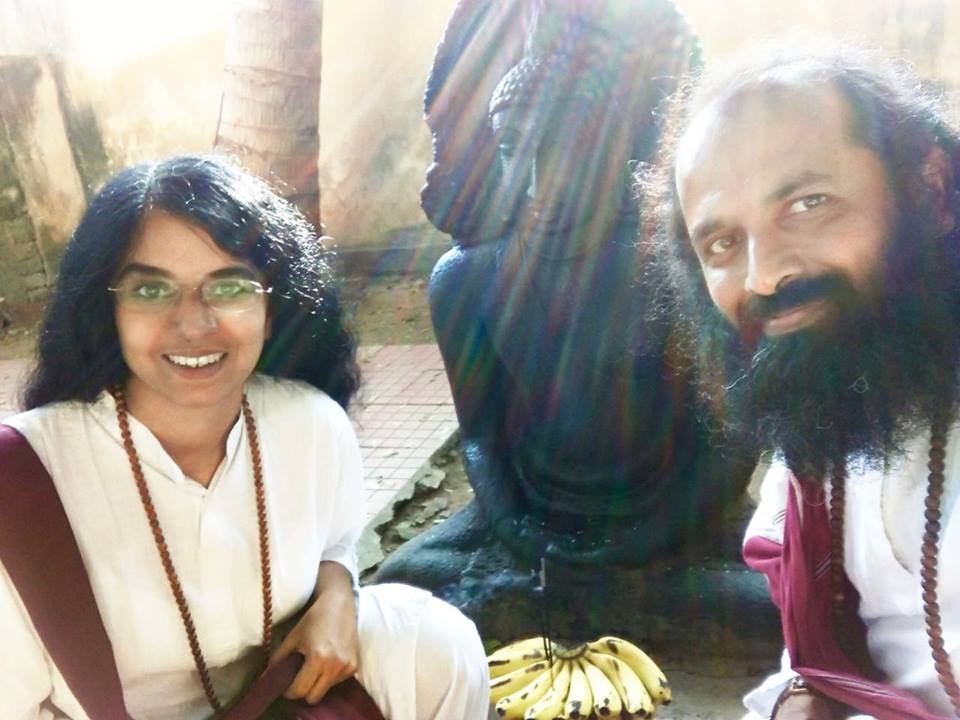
700,600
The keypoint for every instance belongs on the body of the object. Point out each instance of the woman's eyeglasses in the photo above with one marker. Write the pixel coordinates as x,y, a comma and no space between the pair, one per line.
154,295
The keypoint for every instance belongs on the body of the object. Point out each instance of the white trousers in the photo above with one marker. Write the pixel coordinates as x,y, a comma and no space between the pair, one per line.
420,658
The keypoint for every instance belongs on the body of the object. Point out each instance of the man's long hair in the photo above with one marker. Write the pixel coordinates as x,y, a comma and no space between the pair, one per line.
79,348
863,386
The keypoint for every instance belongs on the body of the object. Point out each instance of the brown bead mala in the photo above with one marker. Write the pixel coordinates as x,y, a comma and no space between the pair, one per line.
161,542
928,558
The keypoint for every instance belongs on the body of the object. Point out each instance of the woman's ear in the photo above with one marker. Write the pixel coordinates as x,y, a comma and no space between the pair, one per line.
938,181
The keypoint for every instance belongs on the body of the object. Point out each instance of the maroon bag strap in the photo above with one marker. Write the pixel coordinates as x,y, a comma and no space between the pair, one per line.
40,553
347,700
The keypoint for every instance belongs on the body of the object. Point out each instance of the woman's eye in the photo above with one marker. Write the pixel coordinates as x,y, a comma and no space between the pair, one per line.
225,288
153,290
231,288
808,202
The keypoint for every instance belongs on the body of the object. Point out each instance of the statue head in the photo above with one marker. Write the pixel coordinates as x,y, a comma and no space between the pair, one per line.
570,95
562,142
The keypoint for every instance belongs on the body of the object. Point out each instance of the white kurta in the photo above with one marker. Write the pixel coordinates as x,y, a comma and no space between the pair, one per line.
883,533
315,507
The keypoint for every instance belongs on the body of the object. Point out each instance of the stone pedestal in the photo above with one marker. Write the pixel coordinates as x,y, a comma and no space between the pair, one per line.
700,600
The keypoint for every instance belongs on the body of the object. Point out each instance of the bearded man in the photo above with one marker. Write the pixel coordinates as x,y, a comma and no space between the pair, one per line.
807,207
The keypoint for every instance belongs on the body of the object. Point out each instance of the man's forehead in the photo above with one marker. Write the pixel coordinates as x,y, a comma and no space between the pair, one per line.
764,103
761,117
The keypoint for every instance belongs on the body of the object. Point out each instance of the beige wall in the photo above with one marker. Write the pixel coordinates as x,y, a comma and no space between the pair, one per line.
726,26
154,100
30,27
374,145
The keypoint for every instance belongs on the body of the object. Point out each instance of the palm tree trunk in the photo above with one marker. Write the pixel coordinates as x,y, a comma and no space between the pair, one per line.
269,117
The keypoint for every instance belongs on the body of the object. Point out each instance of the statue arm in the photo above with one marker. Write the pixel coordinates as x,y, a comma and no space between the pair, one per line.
478,381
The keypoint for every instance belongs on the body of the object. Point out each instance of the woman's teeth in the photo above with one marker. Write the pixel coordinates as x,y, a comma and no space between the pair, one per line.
194,361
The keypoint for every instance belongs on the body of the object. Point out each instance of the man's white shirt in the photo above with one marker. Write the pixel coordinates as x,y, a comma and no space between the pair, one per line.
883,534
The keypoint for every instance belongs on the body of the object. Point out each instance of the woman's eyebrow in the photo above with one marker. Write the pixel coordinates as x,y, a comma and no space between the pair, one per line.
143,269
234,271
225,272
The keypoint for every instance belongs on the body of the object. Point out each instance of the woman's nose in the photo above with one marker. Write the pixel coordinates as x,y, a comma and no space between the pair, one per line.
193,316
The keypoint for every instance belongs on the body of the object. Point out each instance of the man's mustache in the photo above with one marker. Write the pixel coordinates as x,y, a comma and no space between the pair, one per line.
760,308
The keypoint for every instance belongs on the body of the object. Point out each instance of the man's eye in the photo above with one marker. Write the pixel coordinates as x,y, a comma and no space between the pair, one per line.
808,202
721,245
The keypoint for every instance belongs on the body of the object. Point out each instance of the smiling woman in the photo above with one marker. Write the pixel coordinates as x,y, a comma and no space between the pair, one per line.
189,355
208,204
188,405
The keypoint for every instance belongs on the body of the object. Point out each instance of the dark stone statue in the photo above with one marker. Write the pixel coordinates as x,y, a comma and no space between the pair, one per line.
580,431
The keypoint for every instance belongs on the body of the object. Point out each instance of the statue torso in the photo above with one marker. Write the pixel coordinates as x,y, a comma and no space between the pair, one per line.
590,403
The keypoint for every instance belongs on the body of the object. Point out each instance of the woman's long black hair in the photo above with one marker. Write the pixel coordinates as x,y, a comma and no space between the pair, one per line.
79,349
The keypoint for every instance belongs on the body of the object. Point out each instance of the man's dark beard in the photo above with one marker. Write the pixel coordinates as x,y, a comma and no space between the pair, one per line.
864,380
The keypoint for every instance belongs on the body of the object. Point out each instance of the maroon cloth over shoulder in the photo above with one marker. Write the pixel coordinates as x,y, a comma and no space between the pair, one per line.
40,554
799,576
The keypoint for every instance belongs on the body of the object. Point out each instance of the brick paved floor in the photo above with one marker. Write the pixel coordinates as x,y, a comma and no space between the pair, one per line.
402,414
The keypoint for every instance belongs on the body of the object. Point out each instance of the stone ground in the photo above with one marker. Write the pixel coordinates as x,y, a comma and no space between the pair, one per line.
393,312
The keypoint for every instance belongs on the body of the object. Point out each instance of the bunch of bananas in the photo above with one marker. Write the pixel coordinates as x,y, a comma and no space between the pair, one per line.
607,678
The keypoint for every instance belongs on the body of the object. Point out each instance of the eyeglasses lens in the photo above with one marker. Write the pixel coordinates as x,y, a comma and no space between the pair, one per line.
159,294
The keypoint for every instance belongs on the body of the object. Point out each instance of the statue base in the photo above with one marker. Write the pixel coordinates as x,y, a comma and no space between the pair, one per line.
698,600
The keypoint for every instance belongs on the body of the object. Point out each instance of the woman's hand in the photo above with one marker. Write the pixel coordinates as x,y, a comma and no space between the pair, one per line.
326,635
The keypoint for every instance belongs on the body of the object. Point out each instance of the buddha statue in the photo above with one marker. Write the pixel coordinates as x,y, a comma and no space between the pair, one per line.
581,431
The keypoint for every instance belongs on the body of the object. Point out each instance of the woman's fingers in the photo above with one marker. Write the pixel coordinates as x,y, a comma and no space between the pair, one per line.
311,669
323,683
316,677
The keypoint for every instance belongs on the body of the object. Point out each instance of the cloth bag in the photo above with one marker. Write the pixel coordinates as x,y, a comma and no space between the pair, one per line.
40,554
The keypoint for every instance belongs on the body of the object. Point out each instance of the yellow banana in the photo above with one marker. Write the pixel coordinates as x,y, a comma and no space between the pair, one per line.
550,705
646,669
636,699
514,705
606,700
511,682
515,655
579,702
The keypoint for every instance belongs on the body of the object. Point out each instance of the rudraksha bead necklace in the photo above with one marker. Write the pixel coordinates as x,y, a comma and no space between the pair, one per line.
928,558
161,543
